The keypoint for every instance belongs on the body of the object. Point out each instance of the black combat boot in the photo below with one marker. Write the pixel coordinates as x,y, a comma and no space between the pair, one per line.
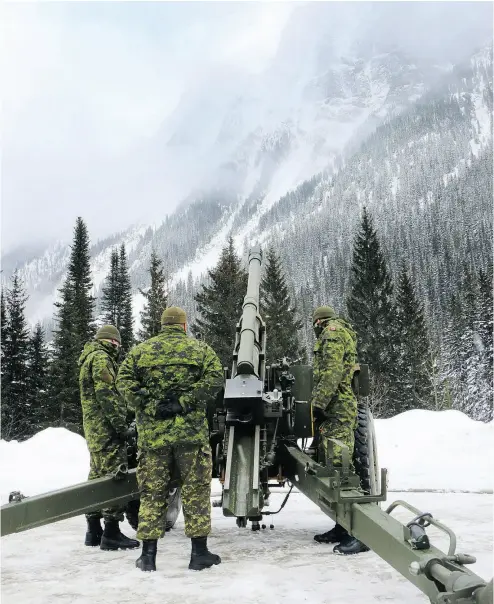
113,539
147,559
201,557
350,545
94,532
336,534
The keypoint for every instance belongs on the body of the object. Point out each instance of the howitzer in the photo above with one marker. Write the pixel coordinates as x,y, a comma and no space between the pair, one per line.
266,414
259,433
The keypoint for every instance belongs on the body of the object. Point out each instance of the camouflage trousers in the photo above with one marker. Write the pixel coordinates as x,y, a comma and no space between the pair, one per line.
340,424
104,463
154,470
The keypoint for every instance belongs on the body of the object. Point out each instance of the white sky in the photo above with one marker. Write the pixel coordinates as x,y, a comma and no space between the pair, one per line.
81,85
86,86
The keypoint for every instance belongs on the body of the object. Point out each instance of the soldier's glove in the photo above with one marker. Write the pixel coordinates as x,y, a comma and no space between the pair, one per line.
319,414
169,407
127,434
130,432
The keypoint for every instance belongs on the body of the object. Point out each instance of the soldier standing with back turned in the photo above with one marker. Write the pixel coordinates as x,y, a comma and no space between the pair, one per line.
335,357
105,428
168,381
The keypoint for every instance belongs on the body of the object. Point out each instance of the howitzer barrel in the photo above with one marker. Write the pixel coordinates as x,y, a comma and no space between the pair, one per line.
249,344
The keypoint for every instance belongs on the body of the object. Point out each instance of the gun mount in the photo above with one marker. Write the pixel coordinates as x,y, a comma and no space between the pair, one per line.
259,433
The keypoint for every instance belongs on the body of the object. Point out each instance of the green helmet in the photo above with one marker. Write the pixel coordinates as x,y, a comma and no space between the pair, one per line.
323,312
108,332
173,316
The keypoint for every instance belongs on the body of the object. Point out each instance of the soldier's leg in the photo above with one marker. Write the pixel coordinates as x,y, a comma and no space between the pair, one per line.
341,426
153,478
195,467
108,462
325,447
94,473
340,430
94,530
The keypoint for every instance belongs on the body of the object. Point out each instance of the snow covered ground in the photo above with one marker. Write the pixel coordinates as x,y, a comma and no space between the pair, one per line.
51,565
423,451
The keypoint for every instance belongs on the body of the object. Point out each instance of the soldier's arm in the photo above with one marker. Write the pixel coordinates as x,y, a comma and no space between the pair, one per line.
332,353
110,401
128,384
211,380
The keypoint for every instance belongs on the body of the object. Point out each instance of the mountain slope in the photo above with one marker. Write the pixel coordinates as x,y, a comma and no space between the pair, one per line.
407,169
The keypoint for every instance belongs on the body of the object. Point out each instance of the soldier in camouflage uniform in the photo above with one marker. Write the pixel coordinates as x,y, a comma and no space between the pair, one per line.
169,380
334,402
105,428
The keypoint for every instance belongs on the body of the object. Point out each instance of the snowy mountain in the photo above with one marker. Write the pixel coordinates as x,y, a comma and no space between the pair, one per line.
350,110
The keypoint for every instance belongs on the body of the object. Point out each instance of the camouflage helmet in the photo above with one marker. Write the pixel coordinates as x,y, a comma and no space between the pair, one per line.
173,316
108,332
323,312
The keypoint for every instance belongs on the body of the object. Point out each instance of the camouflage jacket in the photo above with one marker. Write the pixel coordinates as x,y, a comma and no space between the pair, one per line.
170,362
104,413
335,357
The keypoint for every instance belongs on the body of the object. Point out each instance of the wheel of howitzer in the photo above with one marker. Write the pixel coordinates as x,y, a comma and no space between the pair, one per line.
172,513
365,451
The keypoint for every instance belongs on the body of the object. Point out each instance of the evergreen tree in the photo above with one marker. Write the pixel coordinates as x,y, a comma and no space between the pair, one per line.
156,300
116,304
220,304
278,312
414,359
478,343
74,328
38,359
467,346
15,344
125,317
110,299
3,325
453,353
371,312
485,318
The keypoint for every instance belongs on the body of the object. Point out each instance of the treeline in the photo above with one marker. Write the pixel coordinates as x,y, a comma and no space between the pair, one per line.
407,370
40,381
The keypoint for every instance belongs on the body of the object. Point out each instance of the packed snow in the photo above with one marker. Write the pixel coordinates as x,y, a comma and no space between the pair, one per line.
52,459
436,450
422,449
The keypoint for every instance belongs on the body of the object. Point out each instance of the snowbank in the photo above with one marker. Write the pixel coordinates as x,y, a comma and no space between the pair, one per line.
436,450
423,450
52,459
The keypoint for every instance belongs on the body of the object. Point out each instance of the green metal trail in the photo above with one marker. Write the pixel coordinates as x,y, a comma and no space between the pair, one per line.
72,501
